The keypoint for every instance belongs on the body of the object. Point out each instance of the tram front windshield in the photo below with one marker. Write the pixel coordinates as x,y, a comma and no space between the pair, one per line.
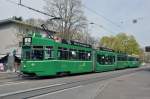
33,53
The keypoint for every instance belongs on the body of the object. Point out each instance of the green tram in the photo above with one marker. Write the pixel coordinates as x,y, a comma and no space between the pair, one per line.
42,56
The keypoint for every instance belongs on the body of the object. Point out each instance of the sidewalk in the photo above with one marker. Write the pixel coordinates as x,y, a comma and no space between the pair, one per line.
7,75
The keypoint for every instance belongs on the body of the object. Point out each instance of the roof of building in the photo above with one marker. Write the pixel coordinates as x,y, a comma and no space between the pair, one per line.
11,20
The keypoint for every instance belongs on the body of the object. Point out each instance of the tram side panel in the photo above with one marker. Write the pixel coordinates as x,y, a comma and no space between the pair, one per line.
122,62
133,62
105,61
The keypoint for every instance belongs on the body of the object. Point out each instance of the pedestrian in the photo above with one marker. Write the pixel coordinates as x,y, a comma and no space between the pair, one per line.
1,67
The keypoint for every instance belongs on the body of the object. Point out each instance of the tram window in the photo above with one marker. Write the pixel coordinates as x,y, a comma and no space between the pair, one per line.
63,53
105,60
73,54
108,60
101,59
114,59
122,58
82,55
26,52
79,55
88,55
37,53
48,52
111,59
134,59
131,59
26,55
118,58
137,59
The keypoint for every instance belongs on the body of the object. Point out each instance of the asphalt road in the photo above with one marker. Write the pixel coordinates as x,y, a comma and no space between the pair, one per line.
132,86
89,86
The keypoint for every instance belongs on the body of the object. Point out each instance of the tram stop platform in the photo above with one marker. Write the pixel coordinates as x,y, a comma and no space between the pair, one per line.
132,86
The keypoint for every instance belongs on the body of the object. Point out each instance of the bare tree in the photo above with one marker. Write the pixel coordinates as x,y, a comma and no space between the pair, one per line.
72,20
35,22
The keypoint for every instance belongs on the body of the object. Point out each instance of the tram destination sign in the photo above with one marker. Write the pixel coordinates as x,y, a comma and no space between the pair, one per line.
27,41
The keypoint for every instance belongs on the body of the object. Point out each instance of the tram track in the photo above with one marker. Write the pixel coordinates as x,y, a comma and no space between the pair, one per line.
35,92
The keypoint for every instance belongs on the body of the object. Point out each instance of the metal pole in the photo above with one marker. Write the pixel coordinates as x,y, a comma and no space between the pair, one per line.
20,2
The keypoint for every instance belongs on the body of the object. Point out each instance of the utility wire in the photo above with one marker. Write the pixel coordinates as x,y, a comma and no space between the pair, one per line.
30,8
100,26
13,2
104,17
36,10
20,4
91,10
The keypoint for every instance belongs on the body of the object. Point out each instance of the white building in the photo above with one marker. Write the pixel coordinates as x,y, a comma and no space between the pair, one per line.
11,32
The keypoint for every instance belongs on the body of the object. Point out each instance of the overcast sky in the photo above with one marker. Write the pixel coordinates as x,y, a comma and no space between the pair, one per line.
113,15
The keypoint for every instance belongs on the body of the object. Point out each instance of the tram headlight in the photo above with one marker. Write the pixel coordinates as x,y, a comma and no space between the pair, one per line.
24,66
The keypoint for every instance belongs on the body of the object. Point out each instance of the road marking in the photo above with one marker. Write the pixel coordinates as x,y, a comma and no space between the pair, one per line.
101,89
32,89
11,83
36,97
